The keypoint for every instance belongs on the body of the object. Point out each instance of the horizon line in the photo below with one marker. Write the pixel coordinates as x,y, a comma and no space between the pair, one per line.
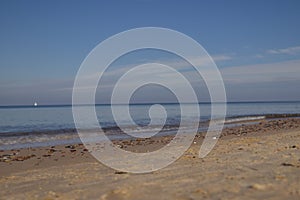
146,103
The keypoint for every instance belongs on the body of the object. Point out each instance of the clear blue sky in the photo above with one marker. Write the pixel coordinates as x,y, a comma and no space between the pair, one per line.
42,43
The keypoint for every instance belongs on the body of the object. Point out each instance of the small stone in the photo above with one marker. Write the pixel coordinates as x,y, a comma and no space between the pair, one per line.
70,146
52,150
119,172
20,159
258,186
287,164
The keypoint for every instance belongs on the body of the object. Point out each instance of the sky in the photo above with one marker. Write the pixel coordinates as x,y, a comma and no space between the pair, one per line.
255,44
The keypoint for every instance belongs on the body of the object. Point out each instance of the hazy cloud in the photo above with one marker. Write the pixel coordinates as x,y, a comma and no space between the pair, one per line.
272,81
290,51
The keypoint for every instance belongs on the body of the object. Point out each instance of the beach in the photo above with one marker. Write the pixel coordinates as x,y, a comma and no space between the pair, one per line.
259,160
149,100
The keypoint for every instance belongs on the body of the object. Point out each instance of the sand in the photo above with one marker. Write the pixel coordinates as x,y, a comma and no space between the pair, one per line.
260,161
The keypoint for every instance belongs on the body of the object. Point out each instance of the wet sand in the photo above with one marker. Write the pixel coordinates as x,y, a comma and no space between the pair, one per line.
258,161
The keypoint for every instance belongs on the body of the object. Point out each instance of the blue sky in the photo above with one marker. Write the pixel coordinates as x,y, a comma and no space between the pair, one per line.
256,44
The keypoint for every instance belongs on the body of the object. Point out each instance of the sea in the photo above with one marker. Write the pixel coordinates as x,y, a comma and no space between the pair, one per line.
49,125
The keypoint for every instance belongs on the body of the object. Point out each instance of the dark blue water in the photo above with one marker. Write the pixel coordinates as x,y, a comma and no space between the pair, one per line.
26,119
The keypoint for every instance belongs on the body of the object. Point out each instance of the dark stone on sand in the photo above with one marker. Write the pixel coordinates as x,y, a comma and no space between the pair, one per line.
287,164
70,146
52,150
119,172
19,159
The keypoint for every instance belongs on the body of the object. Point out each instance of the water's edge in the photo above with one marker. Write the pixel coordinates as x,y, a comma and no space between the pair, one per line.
18,140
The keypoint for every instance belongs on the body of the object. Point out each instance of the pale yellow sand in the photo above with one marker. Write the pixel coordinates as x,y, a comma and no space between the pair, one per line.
258,165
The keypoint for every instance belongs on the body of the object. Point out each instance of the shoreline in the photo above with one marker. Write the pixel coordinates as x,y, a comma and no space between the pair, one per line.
235,128
44,138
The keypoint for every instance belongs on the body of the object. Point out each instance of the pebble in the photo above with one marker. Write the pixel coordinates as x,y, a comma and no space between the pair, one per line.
258,186
12,157
70,146
287,164
52,150
119,172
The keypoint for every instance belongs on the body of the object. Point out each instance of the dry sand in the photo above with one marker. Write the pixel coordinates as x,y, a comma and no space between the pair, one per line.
260,161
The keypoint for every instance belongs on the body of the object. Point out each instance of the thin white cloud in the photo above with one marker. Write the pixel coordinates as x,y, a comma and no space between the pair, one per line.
218,58
257,73
290,51
259,56
112,75
263,81
262,73
196,60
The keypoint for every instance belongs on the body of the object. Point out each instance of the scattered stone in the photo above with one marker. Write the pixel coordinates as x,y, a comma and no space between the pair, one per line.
12,157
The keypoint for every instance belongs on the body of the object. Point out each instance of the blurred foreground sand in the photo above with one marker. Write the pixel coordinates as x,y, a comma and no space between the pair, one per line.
252,162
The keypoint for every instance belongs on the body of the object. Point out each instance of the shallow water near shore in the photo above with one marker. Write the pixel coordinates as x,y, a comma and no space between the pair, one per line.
25,126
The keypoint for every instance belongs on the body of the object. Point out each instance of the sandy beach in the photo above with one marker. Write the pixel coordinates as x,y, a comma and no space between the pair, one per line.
255,161
149,100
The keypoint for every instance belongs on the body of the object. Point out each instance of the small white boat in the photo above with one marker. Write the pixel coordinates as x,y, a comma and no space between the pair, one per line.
35,104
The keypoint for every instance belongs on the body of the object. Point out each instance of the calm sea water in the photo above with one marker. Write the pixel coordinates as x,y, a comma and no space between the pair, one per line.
22,125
